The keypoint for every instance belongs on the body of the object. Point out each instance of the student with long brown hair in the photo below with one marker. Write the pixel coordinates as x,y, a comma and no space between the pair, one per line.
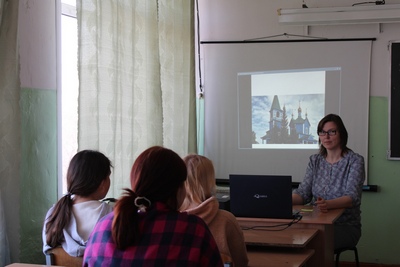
146,228
71,220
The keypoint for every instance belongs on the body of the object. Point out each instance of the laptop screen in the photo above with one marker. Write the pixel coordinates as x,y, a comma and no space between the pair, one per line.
261,196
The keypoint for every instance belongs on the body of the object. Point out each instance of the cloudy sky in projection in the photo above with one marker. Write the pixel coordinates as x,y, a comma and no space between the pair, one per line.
294,89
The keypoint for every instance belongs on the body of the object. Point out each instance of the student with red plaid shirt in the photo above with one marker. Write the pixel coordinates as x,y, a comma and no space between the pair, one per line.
146,228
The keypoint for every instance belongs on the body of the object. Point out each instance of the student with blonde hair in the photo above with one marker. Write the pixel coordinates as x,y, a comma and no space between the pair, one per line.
201,201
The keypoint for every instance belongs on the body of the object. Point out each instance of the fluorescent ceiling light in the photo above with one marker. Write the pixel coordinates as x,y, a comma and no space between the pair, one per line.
340,15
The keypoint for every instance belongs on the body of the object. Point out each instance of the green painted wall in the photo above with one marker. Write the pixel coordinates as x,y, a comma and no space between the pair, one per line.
38,167
380,241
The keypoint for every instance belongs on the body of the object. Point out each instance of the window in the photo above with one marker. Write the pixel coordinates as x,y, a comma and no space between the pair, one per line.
69,86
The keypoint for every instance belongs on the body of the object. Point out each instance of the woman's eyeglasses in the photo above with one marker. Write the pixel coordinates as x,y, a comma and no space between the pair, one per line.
330,133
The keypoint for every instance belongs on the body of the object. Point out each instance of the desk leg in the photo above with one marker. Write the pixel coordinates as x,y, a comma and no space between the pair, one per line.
329,245
322,244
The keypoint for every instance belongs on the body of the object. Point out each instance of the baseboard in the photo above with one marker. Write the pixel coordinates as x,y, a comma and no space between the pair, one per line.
363,264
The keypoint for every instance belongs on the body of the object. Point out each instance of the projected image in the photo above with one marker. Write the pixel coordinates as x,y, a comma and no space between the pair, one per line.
286,109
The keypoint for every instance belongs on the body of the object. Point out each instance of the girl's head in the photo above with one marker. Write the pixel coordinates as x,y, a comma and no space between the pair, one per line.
200,183
158,174
87,171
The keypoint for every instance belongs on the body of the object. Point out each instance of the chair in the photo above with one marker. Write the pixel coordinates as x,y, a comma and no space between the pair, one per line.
58,256
227,260
340,250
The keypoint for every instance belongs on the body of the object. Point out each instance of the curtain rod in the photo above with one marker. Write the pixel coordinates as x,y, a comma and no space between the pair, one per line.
287,41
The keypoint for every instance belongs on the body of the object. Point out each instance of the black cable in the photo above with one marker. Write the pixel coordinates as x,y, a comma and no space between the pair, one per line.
284,226
378,2
198,48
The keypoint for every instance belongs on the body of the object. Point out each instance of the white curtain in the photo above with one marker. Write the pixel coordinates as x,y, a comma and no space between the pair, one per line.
4,248
9,125
136,75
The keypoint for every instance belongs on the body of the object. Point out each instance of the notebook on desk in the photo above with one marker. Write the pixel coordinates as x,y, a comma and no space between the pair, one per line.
261,196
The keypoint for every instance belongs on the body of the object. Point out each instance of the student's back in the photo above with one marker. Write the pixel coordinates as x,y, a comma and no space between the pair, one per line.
167,238
146,228
71,220
201,201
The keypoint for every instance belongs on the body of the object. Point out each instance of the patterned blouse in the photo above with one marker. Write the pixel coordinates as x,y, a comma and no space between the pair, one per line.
329,181
168,238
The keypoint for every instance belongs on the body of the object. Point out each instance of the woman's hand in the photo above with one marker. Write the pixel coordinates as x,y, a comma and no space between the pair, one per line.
337,203
321,204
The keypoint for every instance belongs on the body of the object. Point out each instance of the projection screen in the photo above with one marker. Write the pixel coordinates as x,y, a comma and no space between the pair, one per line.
263,101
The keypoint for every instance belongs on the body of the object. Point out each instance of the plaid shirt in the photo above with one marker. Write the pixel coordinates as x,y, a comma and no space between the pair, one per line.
168,238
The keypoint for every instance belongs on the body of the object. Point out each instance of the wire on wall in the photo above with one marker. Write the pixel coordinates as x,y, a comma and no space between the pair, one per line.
198,49
378,2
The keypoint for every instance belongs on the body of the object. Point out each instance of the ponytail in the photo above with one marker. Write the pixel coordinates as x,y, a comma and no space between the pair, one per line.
125,227
56,223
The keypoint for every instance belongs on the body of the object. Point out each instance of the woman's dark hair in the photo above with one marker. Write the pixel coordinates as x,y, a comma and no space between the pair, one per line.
341,129
156,175
86,171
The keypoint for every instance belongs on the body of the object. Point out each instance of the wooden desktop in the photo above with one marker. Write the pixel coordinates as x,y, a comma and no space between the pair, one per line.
291,237
320,239
28,265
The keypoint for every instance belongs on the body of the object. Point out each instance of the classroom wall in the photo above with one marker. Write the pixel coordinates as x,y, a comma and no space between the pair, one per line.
37,181
380,241
226,20
38,104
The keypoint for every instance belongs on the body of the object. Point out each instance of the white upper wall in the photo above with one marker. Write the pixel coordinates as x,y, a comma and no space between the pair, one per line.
37,44
227,20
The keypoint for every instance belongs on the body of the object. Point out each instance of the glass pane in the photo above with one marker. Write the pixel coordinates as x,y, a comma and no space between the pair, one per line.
69,91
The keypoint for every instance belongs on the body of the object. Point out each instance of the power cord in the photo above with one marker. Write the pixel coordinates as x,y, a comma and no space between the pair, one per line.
378,2
297,217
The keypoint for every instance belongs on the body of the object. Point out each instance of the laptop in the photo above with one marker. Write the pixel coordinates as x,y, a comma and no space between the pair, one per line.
261,196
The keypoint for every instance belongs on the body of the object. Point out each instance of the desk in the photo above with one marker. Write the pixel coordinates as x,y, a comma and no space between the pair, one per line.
278,258
290,237
26,265
323,241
